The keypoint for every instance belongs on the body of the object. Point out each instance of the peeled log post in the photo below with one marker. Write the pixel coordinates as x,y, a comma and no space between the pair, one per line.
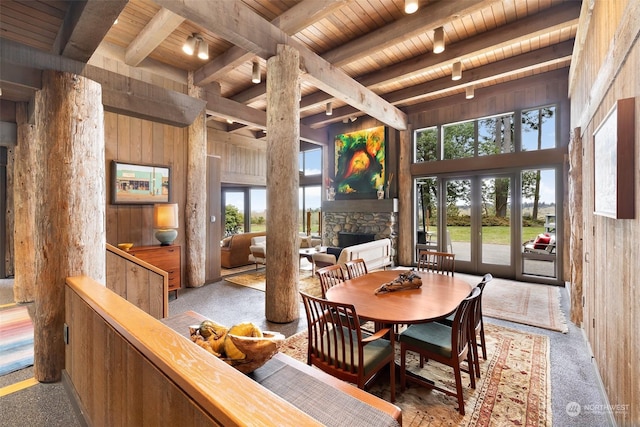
71,219
195,209
405,242
283,145
27,177
575,225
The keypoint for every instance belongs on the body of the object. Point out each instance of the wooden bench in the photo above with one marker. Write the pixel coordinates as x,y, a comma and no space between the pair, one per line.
127,368
181,322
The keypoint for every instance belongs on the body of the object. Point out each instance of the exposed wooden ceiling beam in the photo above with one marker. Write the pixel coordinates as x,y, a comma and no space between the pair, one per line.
550,20
241,26
159,28
535,59
539,58
120,94
231,110
294,20
86,25
542,23
427,18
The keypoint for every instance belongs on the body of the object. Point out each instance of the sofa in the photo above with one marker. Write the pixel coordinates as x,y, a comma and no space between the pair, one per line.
234,250
376,254
258,247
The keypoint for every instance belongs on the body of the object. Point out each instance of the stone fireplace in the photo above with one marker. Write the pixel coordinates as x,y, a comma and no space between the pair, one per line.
360,216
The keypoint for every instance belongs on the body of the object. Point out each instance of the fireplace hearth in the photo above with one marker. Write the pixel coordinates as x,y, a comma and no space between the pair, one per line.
358,218
349,239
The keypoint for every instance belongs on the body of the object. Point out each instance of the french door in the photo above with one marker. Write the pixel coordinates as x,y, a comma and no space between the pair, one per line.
486,221
478,223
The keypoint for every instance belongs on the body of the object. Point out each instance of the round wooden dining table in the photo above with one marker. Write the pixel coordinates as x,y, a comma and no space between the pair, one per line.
438,297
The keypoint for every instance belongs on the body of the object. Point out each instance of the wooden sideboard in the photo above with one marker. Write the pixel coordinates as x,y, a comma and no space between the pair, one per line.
166,258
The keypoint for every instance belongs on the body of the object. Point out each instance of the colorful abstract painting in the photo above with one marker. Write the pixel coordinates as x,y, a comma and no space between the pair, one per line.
360,161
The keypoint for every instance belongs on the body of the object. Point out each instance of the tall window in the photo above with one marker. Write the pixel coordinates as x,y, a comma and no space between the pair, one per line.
459,140
426,145
233,212
310,206
495,135
486,136
539,129
258,202
311,162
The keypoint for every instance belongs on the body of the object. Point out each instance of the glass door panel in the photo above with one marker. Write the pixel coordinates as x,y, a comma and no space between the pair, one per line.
458,234
426,213
495,236
539,222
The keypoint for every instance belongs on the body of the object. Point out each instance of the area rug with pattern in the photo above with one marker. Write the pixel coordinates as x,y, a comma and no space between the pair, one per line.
514,388
526,303
16,339
256,280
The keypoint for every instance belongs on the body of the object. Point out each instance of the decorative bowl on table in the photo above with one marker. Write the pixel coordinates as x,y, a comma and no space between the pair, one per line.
243,346
125,246
257,350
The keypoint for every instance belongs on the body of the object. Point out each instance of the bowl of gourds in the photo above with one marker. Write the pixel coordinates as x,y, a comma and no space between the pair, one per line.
243,346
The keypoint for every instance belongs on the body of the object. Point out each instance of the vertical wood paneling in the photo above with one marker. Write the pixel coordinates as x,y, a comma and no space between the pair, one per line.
611,278
135,140
242,160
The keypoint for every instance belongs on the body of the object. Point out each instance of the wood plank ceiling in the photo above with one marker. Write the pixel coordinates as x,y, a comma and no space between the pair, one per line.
363,56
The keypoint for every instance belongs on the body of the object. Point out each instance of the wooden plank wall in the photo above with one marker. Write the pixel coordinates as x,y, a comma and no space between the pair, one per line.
243,160
133,140
607,70
127,368
137,281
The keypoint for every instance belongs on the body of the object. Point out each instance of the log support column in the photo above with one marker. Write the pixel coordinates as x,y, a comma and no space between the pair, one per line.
70,222
576,221
27,179
405,245
195,210
283,145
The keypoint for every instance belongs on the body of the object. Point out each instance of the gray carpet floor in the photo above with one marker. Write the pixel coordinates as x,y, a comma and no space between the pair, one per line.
577,399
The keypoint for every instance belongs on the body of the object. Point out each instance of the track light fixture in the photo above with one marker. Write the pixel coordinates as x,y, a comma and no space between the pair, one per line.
255,72
410,6
203,49
194,43
328,109
438,40
470,92
456,71
190,45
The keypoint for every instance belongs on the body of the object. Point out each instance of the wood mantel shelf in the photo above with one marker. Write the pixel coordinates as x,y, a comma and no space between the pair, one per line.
360,205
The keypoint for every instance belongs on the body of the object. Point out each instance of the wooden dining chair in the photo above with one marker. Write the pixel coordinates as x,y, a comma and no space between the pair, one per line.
477,325
355,268
338,346
449,345
436,262
330,276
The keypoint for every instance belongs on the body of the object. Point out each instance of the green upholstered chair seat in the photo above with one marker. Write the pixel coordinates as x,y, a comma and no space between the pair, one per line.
433,337
375,353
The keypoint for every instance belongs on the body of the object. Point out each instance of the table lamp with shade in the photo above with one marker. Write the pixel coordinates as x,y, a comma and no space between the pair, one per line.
165,221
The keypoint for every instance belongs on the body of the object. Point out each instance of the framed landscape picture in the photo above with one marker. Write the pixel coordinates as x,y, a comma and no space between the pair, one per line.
613,162
360,163
139,184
